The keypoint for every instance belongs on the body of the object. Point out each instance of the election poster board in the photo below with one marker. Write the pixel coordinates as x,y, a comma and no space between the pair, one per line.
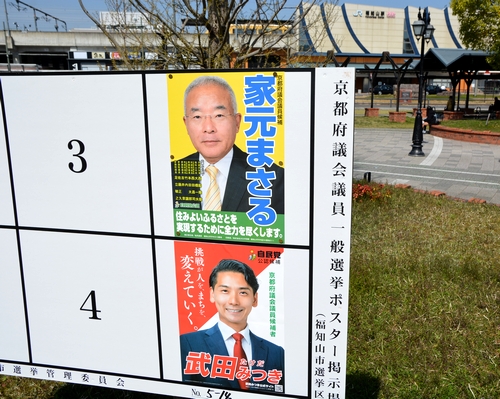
108,254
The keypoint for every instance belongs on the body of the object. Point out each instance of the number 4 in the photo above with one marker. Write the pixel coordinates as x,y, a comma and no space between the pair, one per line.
93,305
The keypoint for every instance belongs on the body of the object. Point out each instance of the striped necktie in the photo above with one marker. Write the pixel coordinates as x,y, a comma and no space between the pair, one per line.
212,199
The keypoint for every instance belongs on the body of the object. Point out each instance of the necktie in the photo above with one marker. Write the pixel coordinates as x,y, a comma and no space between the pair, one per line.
212,199
240,354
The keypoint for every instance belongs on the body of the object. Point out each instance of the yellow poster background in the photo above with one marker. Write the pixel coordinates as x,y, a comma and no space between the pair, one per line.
181,145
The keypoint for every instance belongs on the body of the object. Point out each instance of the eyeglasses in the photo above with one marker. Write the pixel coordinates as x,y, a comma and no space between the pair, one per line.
217,118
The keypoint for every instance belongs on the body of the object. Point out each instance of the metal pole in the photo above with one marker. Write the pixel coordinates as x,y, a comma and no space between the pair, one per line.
418,137
6,16
7,37
7,52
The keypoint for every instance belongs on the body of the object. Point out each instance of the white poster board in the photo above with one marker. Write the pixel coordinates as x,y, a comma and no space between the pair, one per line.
96,259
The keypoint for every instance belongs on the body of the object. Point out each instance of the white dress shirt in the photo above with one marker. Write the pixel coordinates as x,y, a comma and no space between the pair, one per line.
223,166
227,333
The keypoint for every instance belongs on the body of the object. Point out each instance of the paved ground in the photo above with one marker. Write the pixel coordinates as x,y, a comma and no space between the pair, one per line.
460,169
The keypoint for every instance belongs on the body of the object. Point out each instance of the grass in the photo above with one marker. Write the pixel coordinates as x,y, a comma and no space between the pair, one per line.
436,100
27,388
493,125
388,103
383,122
425,296
424,317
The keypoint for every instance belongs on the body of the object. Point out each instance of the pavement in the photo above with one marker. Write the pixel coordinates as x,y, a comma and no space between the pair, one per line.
457,168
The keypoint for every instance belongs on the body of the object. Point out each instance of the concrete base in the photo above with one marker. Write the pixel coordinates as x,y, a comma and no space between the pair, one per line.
452,115
399,117
424,112
473,136
371,112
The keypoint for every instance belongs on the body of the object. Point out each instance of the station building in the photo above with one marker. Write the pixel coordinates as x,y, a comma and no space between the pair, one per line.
352,34
362,34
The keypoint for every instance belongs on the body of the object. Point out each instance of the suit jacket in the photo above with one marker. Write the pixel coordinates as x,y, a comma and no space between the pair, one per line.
236,195
210,341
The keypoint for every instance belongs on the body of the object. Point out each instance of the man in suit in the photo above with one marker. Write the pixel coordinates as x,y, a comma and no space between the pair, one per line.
212,356
212,122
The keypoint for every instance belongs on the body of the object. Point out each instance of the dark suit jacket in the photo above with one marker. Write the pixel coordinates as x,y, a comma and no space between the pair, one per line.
211,341
236,195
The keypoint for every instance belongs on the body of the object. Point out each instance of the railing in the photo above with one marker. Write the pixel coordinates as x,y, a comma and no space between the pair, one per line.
438,101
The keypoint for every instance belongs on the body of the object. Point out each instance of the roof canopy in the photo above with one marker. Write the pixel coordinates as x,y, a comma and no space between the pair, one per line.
453,60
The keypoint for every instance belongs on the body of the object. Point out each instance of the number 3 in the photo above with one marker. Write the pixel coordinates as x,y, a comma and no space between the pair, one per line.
78,155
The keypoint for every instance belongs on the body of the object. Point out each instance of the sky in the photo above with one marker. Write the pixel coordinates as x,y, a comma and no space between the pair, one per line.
70,12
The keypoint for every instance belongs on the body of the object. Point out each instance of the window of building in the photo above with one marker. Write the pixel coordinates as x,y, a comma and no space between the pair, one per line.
407,48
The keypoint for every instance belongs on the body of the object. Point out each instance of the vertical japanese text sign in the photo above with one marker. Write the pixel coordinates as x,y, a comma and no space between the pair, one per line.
334,132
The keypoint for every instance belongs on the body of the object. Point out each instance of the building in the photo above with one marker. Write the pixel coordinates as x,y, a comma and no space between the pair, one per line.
360,32
354,34
365,32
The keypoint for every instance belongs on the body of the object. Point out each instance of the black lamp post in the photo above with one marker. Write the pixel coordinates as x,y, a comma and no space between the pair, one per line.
422,29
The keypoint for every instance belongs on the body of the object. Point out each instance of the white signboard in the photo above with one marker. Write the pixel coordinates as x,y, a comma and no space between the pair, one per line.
115,271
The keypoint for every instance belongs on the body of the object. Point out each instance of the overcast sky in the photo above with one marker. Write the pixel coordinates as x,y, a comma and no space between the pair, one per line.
70,12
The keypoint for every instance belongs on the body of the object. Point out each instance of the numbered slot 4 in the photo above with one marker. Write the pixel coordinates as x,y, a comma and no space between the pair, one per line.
96,306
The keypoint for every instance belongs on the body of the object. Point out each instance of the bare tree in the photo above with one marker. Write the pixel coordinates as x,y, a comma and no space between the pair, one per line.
206,33
314,36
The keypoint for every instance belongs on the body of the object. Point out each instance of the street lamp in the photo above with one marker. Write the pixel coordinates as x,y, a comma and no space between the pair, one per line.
422,29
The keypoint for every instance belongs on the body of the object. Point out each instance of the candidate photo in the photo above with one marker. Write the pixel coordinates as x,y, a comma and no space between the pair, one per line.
228,355
214,177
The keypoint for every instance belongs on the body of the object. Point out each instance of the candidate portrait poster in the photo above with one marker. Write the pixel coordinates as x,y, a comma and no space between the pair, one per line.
252,206
202,309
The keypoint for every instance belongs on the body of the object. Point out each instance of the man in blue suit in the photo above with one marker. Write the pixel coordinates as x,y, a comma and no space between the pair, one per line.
212,356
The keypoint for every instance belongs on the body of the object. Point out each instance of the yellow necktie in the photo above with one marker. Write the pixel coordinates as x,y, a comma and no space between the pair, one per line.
212,199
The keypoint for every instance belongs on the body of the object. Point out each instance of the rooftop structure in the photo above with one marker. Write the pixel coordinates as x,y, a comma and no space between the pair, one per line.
368,31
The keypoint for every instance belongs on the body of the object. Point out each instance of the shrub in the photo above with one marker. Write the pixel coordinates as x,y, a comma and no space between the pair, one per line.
370,191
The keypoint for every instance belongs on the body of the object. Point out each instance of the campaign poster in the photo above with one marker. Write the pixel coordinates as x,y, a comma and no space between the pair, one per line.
226,289
227,130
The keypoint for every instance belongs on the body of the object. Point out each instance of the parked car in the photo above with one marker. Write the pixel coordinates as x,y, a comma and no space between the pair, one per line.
433,89
383,89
